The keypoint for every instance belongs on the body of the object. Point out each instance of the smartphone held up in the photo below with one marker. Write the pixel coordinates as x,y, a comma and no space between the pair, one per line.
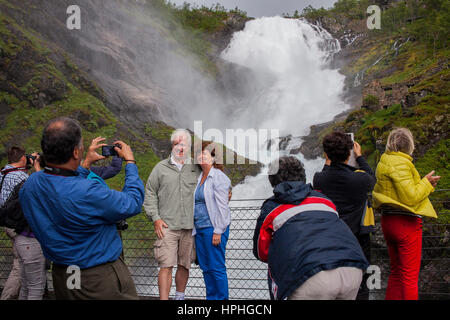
352,161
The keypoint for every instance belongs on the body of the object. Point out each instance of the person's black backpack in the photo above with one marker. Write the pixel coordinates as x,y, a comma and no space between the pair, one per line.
11,214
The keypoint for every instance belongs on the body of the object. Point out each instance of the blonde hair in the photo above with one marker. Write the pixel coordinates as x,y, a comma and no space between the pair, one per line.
400,139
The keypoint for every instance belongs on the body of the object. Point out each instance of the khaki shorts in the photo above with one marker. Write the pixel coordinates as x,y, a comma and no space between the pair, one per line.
176,248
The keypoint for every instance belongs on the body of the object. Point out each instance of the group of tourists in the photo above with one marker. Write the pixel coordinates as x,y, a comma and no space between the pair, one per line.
314,237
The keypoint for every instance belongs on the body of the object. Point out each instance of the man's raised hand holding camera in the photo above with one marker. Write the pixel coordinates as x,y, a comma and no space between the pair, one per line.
74,217
121,149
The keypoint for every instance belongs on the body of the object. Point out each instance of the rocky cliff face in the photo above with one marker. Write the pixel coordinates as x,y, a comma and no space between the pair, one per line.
392,80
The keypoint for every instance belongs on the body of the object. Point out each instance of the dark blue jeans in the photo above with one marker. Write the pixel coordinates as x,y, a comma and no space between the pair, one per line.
212,262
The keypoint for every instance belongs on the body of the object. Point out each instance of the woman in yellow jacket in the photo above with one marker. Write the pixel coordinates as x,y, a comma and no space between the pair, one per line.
402,197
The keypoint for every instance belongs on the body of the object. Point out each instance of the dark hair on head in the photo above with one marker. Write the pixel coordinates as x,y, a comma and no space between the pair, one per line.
60,137
215,151
15,153
289,169
337,146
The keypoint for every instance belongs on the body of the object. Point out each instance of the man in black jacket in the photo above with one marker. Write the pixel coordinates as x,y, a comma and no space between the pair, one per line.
348,188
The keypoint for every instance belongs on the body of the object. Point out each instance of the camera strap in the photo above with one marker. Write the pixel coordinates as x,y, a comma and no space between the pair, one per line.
60,172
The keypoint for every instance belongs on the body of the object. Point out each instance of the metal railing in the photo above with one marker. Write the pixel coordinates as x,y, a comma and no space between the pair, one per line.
247,277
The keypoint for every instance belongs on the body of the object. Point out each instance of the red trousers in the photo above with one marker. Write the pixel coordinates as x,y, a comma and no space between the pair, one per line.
403,235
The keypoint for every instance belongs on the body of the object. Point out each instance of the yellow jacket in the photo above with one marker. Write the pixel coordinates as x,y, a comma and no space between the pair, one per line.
400,186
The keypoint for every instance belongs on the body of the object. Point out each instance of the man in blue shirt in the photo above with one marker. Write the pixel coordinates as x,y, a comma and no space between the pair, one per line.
74,218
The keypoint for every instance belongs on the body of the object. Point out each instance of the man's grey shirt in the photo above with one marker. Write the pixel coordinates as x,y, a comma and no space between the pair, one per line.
169,194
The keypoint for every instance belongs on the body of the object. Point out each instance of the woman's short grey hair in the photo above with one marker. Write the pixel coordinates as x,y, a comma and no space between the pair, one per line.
180,133
287,168
400,139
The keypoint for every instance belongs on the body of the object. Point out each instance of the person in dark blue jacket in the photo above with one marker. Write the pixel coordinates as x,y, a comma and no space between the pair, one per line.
74,218
348,187
311,253
102,173
109,171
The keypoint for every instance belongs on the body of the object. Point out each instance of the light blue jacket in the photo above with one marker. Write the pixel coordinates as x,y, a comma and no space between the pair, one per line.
216,190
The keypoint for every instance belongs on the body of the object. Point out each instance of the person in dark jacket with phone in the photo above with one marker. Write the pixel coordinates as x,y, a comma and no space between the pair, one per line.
348,187
109,171
311,253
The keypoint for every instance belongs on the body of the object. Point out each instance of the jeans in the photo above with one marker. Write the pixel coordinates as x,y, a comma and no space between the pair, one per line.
32,265
212,262
12,285
403,236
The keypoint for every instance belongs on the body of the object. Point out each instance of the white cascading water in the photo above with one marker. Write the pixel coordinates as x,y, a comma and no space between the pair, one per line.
296,88
289,86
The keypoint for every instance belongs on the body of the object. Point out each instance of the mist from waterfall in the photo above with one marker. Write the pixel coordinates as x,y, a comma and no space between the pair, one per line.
287,60
275,74
293,89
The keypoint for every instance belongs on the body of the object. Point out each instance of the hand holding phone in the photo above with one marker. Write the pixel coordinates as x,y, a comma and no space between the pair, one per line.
352,160
357,149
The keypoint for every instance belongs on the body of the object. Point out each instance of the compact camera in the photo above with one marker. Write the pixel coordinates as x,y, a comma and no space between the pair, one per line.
108,151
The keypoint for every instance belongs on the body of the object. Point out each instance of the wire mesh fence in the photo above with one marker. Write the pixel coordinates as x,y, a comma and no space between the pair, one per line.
247,277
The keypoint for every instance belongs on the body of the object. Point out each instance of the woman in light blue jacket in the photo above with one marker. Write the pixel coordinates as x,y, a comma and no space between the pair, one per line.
212,219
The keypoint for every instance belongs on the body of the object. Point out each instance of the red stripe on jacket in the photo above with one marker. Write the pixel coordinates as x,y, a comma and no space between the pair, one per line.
266,231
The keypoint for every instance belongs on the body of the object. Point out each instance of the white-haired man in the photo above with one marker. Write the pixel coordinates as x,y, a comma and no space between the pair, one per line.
169,195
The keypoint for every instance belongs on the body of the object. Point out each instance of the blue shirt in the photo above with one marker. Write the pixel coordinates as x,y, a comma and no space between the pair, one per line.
92,175
201,216
74,218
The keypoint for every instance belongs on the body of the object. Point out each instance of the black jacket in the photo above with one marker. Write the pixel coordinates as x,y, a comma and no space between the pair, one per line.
300,234
348,188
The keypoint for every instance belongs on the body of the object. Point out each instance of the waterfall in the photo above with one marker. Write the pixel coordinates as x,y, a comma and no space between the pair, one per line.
294,86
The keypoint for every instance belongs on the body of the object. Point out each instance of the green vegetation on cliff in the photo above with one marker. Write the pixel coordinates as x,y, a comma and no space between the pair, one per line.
405,68
39,81
195,27
426,20
411,50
